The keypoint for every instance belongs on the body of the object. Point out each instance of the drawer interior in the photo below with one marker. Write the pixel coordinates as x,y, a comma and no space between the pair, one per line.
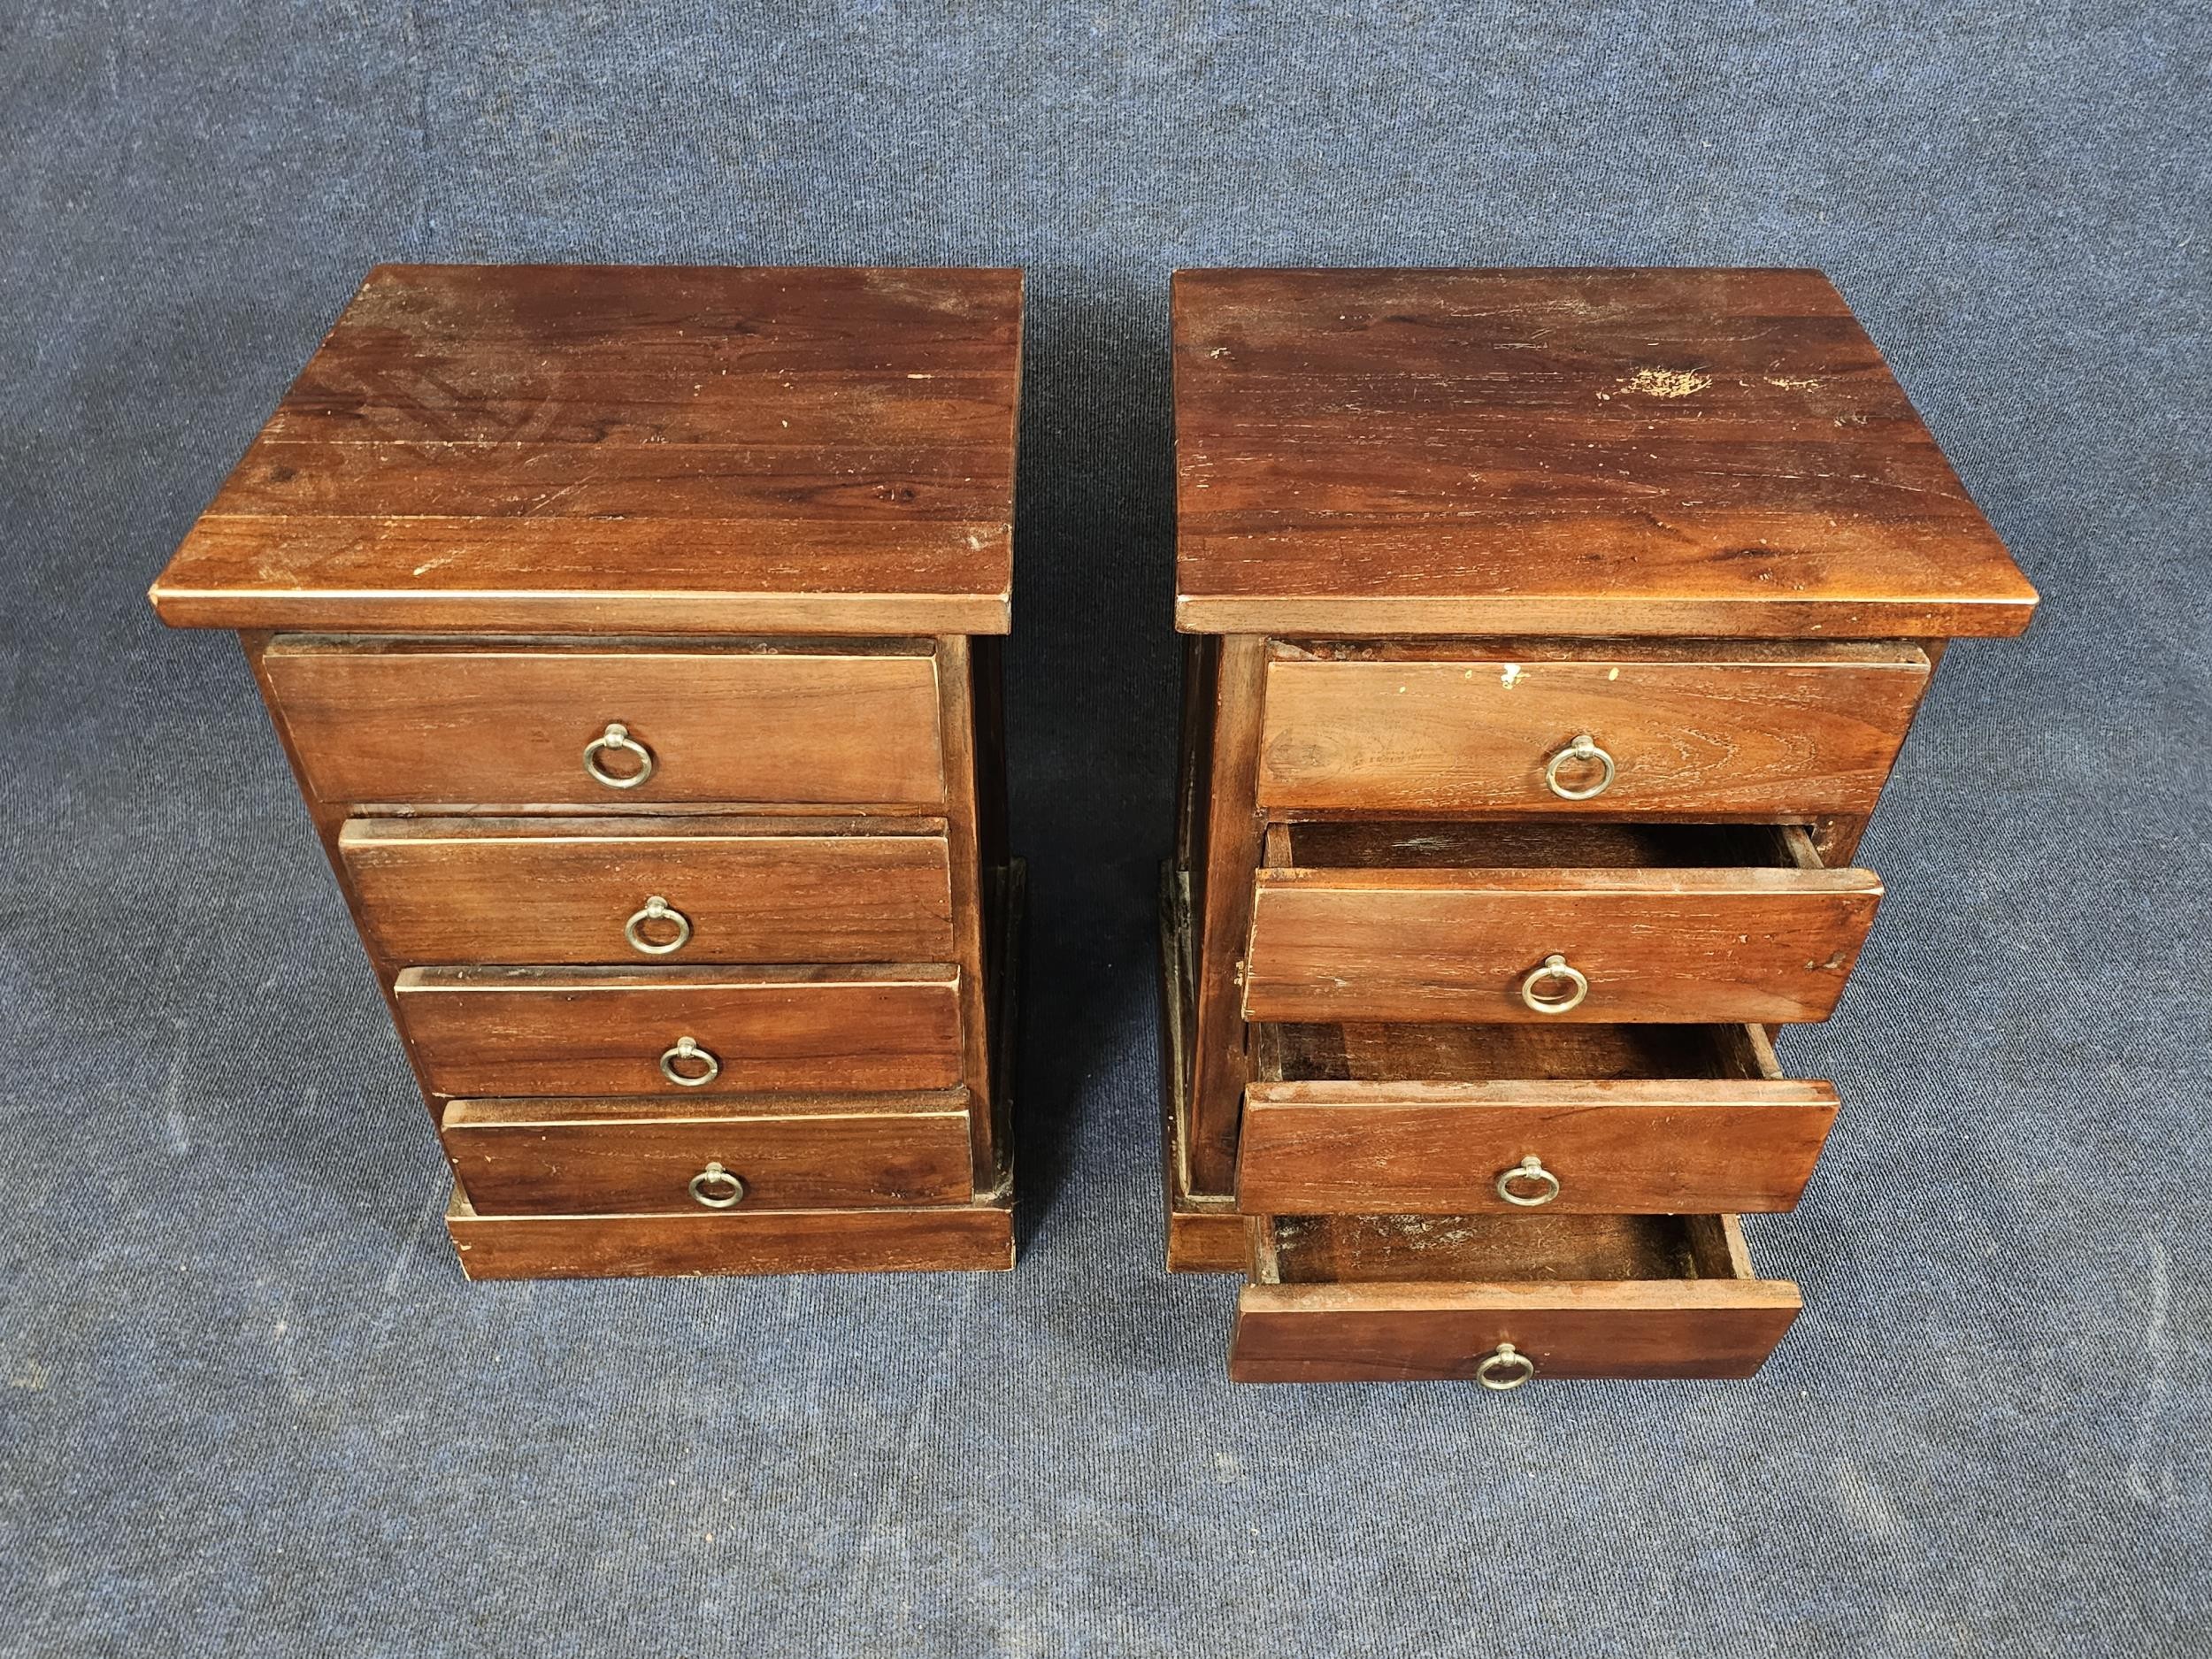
1390,1053
1569,844
1518,1248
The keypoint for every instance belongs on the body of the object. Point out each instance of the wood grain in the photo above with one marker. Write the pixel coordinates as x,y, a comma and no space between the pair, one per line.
1674,452
529,891
635,1156
619,449
1759,946
977,1238
501,1032
425,724
1690,737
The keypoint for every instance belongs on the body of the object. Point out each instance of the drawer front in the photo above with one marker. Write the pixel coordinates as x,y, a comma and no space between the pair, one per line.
1418,1333
1701,738
550,1157
1409,1299
432,725
1760,946
497,1032
552,891
1644,1147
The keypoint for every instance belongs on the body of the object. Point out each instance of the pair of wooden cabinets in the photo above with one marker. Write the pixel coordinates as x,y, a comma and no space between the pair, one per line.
1554,635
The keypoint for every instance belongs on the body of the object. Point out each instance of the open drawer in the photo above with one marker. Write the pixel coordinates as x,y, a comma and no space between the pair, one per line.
1502,1299
1551,922
1568,1119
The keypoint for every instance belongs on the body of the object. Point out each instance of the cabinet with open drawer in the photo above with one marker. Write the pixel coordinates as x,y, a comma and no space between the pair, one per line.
1578,921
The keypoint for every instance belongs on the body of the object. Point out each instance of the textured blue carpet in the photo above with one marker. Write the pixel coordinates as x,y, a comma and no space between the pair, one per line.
249,1406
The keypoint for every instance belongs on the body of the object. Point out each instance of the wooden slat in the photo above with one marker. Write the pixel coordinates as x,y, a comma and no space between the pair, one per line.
493,1031
427,725
979,1238
1224,894
436,891
1477,733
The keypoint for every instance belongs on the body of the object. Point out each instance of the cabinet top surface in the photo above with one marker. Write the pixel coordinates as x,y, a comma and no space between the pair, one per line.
601,448
1573,451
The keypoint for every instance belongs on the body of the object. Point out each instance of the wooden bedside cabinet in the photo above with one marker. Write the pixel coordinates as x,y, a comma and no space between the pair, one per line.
1554,635
629,631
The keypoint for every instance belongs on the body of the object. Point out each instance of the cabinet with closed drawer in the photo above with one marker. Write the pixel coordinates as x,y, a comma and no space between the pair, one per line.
672,824
1534,708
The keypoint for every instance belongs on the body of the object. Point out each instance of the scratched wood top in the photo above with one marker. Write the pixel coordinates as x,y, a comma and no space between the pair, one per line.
616,449
1667,452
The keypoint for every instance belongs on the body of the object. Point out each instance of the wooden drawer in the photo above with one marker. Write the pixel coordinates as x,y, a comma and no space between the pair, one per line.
523,891
1455,921
1755,731
1432,1298
502,1031
1428,1120
523,1157
425,723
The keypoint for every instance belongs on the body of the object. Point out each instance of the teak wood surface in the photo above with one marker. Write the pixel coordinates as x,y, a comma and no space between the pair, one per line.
631,449
554,1157
1577,452
531,891
499,1032
1687,737
426,724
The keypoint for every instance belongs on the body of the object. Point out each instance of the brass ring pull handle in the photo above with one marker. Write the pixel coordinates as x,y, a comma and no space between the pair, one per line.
1584,748
1555,968
716,1187
1530,1172
688,1052
618,736
1506,1367
657,909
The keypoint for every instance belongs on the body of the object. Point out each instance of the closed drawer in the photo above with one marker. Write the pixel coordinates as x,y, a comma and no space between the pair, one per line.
502,1032
1456,922
539,1158
1762,731
1436,1298
523,891
457,723
1508,1119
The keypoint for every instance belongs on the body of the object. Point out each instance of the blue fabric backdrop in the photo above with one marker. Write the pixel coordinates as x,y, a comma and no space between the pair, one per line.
251,1407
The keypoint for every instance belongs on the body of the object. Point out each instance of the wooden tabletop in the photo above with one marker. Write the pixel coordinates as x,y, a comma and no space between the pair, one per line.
584,448
1581,452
